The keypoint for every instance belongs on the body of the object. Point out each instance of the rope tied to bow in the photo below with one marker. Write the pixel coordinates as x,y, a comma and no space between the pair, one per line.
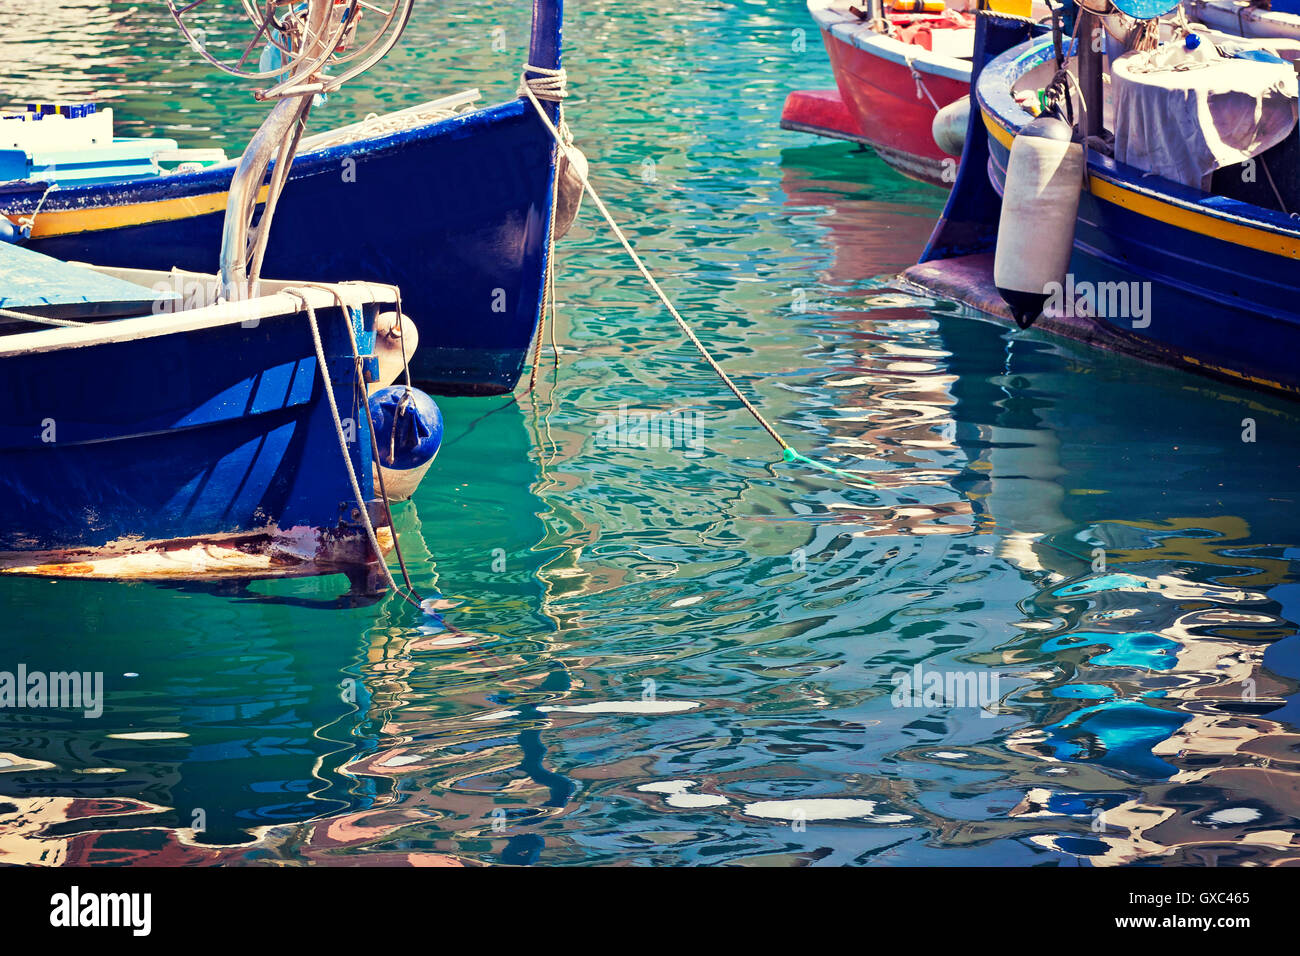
544,84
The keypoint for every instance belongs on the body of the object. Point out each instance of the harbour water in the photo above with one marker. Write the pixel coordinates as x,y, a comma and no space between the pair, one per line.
1059,629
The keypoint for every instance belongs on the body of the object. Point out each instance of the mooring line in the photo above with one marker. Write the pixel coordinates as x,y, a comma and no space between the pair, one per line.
553,78
328,387
361,394
547,316
40,319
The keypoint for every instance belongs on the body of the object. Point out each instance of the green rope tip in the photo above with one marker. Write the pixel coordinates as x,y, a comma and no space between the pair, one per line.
792,456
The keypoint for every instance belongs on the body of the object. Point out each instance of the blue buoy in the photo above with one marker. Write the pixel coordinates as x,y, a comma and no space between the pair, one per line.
408,427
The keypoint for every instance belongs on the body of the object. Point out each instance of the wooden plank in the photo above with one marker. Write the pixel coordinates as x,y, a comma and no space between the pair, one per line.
41,285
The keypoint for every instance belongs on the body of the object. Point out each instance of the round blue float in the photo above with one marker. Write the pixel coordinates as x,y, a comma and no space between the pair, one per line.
408,426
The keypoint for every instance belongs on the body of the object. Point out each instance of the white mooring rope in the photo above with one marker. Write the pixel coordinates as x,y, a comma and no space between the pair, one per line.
413,597
343,442
547,85
551,82
39,319
920,84
28,222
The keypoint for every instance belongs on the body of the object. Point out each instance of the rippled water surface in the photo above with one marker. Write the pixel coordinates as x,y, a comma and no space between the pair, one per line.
691,655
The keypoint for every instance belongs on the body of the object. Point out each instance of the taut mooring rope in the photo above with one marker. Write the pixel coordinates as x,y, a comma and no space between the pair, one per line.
550,86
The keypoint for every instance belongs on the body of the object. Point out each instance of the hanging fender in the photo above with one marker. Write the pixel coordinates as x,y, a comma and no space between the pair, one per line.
1040,204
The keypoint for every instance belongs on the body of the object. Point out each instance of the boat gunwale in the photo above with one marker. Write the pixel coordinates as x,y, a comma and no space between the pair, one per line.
1244,13
287,302
855,33
21,196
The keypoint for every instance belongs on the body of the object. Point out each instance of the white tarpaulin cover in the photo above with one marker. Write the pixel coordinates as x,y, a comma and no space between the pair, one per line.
1183,113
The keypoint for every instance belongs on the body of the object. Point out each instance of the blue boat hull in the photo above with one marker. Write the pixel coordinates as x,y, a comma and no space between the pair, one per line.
1217,277
212,434
1214,306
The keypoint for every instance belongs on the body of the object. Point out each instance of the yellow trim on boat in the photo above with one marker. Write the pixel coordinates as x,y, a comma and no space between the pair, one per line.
1237,233
1014,8
997,130
1239,376
67,222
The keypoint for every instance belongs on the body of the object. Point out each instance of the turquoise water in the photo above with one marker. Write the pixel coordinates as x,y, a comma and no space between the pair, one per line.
693,654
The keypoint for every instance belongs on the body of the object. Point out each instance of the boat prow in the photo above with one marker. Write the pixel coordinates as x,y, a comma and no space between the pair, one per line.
822,113
194,439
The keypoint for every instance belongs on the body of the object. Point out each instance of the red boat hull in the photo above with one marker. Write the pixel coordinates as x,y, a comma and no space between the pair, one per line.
884,104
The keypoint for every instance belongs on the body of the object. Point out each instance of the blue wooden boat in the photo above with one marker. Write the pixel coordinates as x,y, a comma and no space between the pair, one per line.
453,209
182,425
1218,265
151,440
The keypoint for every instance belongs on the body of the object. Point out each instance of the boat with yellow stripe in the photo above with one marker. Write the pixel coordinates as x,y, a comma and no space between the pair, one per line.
451,201
1198,274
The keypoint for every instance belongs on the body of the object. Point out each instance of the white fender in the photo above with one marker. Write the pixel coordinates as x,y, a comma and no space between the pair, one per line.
401,483
569,194
389,336
1040,204
949,126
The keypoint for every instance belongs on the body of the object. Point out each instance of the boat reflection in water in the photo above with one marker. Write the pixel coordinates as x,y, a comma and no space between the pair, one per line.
210,734
1162,629
1120,679
1150,710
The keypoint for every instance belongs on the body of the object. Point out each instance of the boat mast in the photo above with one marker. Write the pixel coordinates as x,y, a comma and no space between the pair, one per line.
1091,48
243,244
